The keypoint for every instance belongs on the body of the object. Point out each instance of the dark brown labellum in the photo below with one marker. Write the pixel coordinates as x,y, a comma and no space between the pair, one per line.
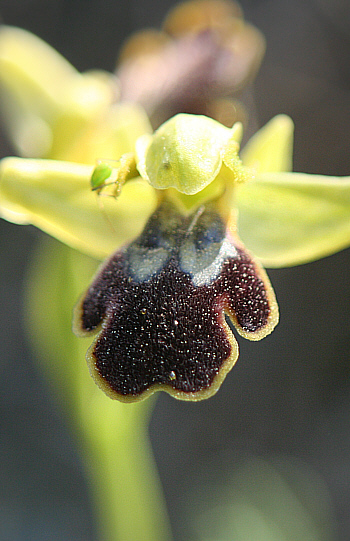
159,307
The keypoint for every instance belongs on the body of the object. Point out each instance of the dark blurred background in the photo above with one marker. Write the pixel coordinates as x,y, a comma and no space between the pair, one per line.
289,395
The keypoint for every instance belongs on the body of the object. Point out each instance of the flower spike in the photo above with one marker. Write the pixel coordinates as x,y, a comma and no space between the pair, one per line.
159,308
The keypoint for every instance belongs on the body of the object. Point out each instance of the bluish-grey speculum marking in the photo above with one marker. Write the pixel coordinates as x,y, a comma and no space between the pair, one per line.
162,300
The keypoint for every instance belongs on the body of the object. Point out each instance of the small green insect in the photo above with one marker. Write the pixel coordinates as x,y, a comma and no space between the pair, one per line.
109,176
106,176
100,174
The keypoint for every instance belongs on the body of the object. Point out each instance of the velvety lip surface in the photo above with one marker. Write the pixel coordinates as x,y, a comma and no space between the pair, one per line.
162,303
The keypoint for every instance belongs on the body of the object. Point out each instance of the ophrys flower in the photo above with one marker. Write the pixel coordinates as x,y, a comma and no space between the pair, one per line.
159,303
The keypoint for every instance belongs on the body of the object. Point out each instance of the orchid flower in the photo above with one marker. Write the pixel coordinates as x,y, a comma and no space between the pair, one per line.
198,62
186,216
178,213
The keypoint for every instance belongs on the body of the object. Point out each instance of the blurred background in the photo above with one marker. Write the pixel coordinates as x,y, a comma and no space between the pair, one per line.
273,446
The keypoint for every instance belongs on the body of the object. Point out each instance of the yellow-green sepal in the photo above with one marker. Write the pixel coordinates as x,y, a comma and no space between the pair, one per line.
53,111
56,197
45,101
292,218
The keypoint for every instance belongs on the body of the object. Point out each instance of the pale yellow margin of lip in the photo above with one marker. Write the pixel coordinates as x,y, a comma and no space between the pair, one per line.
77,317
180,395
78,308
273,318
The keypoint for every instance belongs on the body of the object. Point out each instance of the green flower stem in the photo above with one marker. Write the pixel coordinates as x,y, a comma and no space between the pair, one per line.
125,488
112,436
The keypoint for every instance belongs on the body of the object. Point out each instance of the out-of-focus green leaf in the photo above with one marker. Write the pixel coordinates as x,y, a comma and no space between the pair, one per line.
282,500
293,218
112,436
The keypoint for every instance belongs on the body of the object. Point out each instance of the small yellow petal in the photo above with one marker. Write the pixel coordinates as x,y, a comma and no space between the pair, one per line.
232,160
270,150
